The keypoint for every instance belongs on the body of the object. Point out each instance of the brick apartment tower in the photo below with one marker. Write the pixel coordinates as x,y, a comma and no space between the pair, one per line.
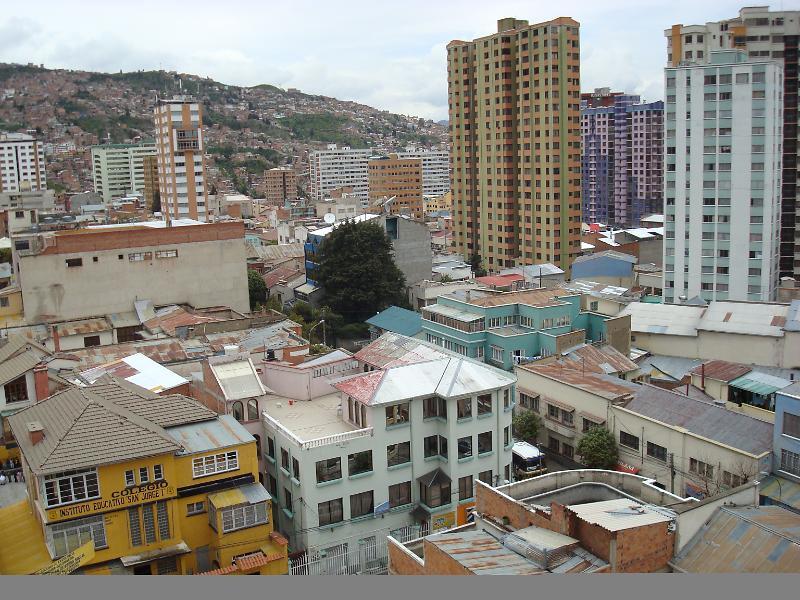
281,185
515,143
181,167
400,178
763,34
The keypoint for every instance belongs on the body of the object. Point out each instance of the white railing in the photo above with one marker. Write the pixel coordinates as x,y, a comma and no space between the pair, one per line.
367,556
336,438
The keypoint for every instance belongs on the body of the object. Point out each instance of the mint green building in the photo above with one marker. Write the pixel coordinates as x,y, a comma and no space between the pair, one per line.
503,329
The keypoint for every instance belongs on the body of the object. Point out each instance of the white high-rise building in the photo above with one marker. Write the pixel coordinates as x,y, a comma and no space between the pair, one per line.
337,168
435,170
21,164
181,168
724,128
118,169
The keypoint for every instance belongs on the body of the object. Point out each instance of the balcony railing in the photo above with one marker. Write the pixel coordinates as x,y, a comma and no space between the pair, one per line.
327,440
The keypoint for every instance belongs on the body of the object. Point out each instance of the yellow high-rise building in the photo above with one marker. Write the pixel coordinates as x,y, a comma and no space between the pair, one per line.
155,484
515,143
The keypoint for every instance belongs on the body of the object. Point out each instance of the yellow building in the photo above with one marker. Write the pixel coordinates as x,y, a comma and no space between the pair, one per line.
438,203
160,484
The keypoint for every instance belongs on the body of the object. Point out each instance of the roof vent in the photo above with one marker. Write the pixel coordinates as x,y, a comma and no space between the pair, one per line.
35,431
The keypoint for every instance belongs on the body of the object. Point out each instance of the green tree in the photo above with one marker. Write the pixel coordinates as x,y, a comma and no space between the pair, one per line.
476,263
526,426
358,273
273,303
257,289
598,449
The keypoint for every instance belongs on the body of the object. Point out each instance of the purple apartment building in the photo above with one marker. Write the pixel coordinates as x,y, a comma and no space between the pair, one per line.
621,159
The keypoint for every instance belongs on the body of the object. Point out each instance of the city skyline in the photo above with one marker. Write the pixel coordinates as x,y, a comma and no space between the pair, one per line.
377,56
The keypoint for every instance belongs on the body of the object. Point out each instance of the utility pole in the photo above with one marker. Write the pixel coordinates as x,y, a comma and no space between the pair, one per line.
672,472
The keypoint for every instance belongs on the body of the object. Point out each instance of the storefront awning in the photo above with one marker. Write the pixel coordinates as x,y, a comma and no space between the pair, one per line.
762,384
138,559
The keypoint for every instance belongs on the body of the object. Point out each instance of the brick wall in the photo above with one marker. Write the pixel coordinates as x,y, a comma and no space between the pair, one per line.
400,563
645,549
91,240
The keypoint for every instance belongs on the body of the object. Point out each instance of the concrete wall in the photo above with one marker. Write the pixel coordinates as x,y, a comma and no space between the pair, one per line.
784,404
211,272
412,250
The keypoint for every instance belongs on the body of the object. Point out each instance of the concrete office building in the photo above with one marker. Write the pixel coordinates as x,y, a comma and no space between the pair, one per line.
435,170
281,185
399,179
118,169
762,34
181,167
337,168
78,273
723,179
622,157
21,164
399,446
515,143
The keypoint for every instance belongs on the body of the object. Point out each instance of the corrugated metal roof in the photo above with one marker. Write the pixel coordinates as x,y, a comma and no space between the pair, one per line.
762,539
83,327
238,379
453,312
222,432
533,271
398,320
606,386
760,383
481,554
539,297
139,370
618,514
703,418
721,370
781,490
670,319
607,254
161,351
251,493
393,347
18,366
748,318
604,359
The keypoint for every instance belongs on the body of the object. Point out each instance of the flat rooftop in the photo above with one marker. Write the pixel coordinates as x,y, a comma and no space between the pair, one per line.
308,419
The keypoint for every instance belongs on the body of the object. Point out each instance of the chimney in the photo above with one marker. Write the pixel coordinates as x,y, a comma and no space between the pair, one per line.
56,339
35,431
41,382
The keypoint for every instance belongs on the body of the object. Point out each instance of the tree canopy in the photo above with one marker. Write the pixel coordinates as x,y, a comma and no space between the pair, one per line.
358,272
526,425
257,289
598,449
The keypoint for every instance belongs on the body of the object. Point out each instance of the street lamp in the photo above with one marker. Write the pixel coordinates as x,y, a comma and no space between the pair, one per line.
317,324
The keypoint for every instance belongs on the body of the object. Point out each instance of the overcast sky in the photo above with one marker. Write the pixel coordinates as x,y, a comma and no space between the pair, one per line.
390,55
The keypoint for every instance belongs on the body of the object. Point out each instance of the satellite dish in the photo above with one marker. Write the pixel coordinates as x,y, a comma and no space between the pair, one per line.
329,218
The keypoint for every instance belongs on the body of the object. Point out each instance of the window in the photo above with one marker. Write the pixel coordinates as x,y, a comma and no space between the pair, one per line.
237,410
507,397
790,462
588,424
195,508
158,472
700,468
485,404
130,479
791,425
91,340
271,448
398,454
397,414
144,475
4,302
273,486
330,512
74,262
162,518
434,407
140,256
438,494
329,469
166,254
528,401
148,524
730,480
506,436
484,442
215,463
63,538
135,526
486,477
464,408
295,468
465,487
242,517
435,445
361,504
656,451
465,447
626,439
400,494
71,486
497,354
360,462
287,500
252,410
284,459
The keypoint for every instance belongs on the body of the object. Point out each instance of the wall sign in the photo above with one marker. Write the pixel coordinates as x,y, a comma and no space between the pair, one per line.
129,496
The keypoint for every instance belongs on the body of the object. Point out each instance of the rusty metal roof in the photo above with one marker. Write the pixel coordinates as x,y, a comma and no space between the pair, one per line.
481,554
545,297
721,370
606,359
169,318
761,539
162,351
605,386
83,327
